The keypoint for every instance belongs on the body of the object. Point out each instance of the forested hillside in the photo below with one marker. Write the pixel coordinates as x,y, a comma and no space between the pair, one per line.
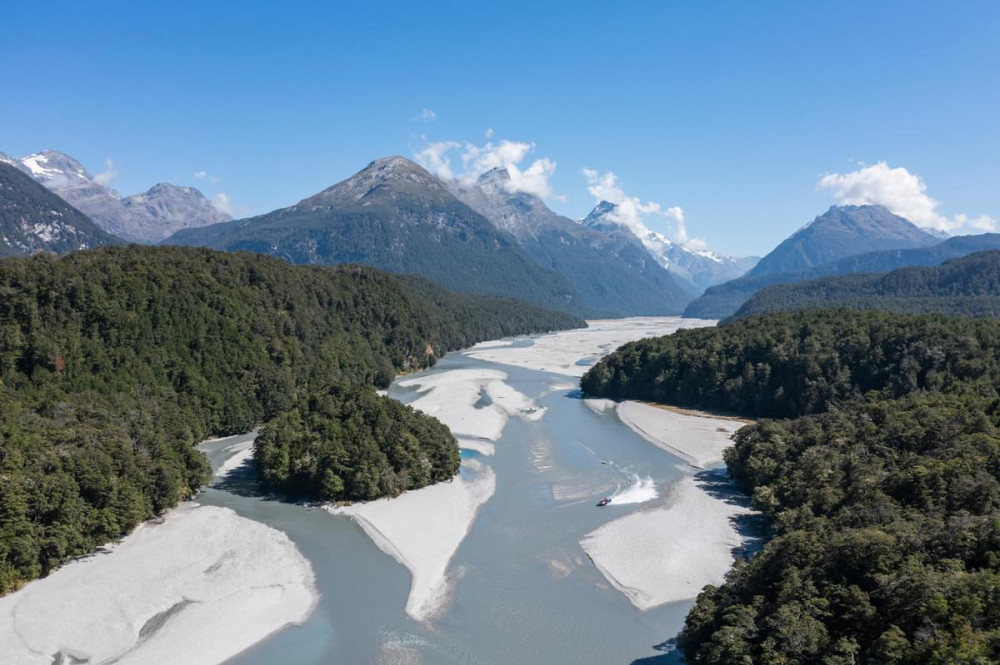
114,362
882,484
969,286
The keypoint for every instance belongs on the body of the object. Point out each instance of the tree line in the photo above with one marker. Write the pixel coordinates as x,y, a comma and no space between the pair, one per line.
968,286
879,469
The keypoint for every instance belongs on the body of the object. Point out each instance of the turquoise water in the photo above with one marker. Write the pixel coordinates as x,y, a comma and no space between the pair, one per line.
525,593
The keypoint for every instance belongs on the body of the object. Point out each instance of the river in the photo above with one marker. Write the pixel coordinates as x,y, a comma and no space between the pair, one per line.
522,589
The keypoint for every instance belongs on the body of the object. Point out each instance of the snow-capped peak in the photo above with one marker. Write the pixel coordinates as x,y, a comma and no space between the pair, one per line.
147,217
701,267
53,165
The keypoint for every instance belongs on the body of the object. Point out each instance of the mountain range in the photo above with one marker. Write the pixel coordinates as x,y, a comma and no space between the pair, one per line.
396,216
480,237
33,219
614,275
843,240
843,231
698,269
967,286
145,218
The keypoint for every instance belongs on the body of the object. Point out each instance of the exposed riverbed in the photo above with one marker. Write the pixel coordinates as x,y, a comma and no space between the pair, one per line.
493,567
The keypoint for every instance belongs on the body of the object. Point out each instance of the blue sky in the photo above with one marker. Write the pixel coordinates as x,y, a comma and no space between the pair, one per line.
731,111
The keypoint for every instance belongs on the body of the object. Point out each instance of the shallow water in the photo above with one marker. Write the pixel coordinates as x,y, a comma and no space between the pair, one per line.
525,591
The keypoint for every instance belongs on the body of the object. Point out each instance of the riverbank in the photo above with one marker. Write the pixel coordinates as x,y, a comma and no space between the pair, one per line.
668,553
196,586
422,529
698,438
641,554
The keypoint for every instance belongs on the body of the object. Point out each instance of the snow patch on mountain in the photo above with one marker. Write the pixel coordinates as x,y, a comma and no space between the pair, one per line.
698,266
148,217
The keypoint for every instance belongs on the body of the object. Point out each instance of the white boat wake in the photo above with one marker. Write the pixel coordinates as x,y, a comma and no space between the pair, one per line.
640,490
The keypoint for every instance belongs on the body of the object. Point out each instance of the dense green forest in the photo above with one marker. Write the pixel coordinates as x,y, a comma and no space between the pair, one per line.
969,286
114,362
882,483
313,449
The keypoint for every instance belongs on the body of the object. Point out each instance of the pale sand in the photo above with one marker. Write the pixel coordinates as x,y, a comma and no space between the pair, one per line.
241,453
451,397
198,588
698,439
667,554
561,352
422,529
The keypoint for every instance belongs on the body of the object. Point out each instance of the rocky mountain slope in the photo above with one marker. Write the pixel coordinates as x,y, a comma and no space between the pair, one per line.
614,275
699,269
145,218
395,215
845,239
843,231
33,219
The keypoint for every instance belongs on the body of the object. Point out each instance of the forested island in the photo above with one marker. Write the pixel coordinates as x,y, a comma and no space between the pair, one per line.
115,362
881,481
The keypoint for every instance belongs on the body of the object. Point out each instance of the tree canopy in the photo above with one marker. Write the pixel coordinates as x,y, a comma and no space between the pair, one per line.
114,362
881,482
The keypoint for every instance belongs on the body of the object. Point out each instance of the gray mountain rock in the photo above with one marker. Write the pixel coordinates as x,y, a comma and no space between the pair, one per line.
395,215
700,269
612,272
145,218
33,219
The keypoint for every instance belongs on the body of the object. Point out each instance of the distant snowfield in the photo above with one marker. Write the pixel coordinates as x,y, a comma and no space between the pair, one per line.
198,588
572,352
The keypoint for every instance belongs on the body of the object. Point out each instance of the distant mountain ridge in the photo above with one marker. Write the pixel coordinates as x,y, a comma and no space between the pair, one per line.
33,219
395,215
612,272
146,218
699,269
843,231
966,286
846,233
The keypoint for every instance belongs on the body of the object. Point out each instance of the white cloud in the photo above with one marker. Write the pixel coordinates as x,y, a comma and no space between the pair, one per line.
434,157
426,115
901,192
200,175
488,133
109,175
222,203
478,159
636,215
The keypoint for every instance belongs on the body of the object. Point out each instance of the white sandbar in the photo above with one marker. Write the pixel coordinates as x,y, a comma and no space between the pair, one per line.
698,439
452,398
572,352
422,529
242,452
198,588
667,554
